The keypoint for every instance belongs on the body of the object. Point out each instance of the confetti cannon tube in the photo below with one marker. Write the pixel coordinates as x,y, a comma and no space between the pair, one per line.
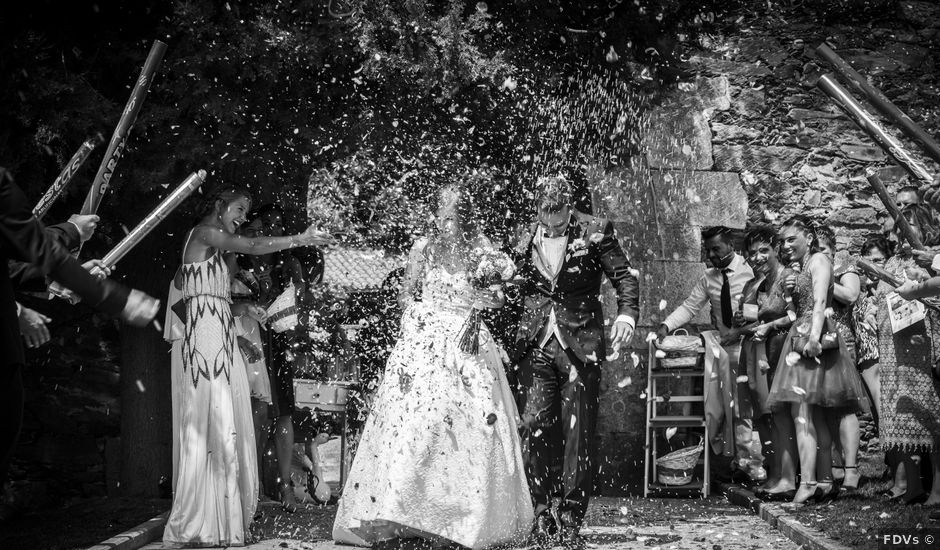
900,221
876,272
867,122
154,218
116,147
881,103
65,177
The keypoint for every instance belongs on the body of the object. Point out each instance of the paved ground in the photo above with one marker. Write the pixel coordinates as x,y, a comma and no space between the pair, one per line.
612,523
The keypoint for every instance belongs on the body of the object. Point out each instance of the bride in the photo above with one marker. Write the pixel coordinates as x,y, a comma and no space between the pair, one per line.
440,456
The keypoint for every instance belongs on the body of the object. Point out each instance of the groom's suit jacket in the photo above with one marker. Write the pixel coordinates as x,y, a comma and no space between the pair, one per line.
574,291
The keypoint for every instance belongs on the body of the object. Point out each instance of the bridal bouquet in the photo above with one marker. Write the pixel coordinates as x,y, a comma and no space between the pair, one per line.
487,269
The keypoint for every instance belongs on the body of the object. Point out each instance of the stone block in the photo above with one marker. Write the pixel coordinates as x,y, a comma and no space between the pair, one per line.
890,174
863,153
679,138
775,158
806,139
621,409
681,197
750,103
715,66
811,114
920,14
661,283
855,217
712,94
906,54
732,132
870,62
644,240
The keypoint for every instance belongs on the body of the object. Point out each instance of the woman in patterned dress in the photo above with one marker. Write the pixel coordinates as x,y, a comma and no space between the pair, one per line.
910,415
216,492
811,381
876,250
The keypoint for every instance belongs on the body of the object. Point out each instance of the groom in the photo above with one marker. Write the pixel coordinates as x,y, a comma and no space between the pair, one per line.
560,346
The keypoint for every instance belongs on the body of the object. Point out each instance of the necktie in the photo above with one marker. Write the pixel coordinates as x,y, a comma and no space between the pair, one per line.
727,315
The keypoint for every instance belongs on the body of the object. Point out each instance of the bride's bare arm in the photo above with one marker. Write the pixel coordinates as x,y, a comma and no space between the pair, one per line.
414,272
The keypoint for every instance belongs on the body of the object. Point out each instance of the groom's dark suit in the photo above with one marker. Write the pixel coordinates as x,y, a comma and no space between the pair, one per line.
561,331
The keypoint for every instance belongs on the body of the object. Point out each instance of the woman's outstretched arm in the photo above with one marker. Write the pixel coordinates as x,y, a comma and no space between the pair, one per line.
215,237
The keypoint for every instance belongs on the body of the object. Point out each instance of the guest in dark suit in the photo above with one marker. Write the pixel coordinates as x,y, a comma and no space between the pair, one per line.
23,238
560,345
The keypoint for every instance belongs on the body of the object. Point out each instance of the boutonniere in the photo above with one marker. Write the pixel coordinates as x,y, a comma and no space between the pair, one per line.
577,244
596,237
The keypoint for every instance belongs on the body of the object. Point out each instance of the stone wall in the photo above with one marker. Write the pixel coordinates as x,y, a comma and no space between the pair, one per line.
750,139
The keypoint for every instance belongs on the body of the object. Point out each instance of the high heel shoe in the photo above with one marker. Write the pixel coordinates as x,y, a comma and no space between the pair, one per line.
805,492
288,499
826,491
846,489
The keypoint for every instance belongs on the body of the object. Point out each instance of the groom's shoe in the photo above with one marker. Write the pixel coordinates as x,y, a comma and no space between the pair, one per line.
571,537
544,531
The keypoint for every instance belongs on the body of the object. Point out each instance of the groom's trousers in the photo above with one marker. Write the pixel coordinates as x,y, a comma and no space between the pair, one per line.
561,413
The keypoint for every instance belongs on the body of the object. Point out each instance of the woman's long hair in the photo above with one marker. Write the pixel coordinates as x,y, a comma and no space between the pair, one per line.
225,196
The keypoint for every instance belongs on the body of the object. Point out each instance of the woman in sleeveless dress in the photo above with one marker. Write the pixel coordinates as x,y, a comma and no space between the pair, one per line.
847,286
810,381
440,456
216,491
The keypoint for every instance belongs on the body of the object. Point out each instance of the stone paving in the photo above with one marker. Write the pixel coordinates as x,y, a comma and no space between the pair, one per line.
612,524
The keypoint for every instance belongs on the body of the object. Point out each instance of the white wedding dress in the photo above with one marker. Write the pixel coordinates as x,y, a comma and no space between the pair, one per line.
440,454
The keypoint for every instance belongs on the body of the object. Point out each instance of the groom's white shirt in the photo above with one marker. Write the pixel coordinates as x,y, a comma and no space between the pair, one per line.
552,252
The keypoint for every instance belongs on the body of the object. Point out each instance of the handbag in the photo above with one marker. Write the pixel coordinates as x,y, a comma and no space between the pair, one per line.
828,340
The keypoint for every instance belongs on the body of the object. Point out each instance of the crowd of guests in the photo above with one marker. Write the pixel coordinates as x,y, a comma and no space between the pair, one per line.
811,346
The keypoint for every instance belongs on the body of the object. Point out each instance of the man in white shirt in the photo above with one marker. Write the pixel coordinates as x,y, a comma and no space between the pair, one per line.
721,286
560,345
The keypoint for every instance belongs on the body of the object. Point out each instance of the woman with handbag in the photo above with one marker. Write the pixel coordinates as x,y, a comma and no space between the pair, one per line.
814,373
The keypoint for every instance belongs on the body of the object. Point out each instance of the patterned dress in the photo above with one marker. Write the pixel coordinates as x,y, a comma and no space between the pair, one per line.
843,314
217,488
829,380
910,415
